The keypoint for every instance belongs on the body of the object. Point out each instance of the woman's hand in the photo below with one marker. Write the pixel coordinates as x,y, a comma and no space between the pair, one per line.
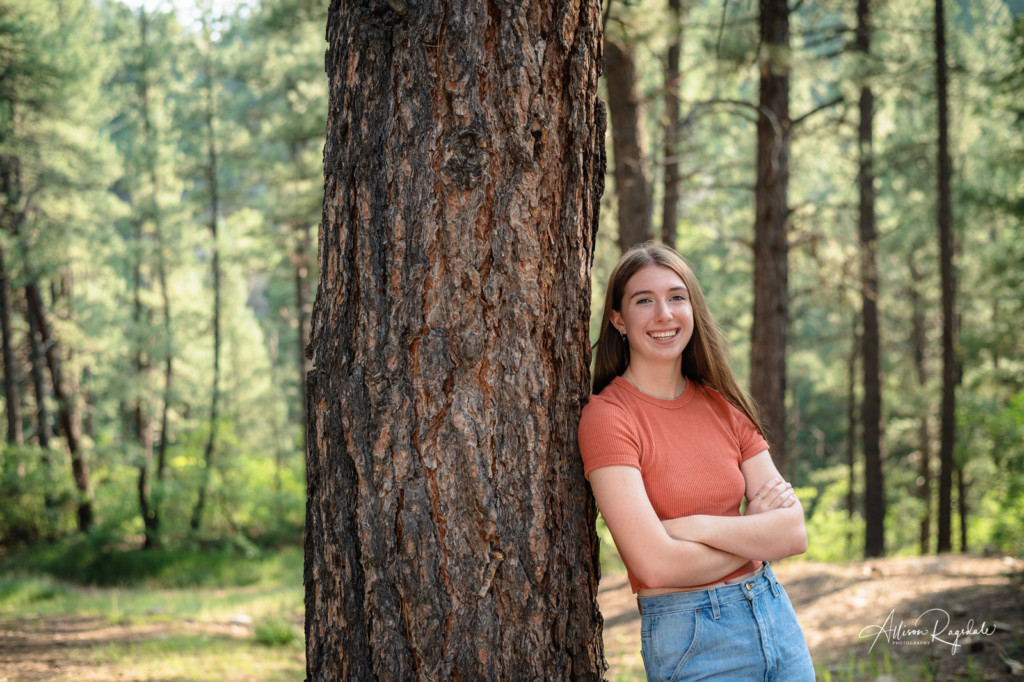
776,493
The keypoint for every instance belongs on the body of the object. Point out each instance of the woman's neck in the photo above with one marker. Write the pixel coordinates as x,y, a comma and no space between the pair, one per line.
658,382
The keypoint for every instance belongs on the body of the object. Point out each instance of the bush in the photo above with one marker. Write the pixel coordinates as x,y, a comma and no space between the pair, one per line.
38,504
276,632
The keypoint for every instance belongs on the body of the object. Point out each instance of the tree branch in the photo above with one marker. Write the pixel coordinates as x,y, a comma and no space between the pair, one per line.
831,103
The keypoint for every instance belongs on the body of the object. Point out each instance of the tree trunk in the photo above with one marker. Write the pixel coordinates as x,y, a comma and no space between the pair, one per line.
140,422
961,498
919,342
851,430
771,247
212,180
38,369
670,204
632,187
67,415
10,183
151,508
12,396
450,533
948,276
871,412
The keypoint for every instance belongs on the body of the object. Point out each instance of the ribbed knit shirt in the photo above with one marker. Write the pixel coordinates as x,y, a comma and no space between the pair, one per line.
688,450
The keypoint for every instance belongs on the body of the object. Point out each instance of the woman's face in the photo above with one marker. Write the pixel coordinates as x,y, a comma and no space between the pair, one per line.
655,314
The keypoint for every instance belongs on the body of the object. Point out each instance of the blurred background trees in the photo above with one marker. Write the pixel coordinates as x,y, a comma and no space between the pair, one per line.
161,182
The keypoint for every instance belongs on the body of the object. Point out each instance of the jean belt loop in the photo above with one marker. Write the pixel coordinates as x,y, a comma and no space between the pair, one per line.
772,580
715,611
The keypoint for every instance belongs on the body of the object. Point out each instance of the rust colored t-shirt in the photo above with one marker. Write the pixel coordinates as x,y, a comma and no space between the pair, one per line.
688,450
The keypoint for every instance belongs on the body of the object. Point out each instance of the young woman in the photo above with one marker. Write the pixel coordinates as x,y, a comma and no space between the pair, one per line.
671,446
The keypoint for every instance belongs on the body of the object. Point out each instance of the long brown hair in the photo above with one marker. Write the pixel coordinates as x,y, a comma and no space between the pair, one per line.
705,358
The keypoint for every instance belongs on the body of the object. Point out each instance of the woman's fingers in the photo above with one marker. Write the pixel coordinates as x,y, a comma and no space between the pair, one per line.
776,493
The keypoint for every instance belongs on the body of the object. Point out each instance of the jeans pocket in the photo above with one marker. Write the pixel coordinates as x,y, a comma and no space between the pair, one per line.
667,642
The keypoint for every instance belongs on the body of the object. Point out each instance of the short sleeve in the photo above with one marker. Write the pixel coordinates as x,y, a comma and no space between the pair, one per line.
606,437
750,439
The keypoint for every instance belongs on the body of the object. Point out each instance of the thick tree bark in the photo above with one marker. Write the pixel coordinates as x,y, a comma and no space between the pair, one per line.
450,533
67,414
948,276
632,187
871,411
771,247
670,203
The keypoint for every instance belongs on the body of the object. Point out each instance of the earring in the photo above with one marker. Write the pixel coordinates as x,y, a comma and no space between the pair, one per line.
623,334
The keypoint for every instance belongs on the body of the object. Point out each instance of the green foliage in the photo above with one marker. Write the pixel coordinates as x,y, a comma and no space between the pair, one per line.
833,534
100,561
277,632
22,593
38,500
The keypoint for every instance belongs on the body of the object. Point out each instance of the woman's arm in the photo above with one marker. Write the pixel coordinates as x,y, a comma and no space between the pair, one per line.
656,558
763,533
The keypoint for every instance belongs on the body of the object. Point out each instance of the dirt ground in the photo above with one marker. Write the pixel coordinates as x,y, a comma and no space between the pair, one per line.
894,603
891,600
59,647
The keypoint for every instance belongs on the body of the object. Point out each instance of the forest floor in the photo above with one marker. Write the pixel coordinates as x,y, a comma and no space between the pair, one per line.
888,599
886,619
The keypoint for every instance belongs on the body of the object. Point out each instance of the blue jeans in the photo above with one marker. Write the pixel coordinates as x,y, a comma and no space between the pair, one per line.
740,633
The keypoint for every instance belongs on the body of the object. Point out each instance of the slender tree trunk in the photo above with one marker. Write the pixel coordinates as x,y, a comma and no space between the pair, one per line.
670,205
852,424
12,395
140,422
961,498
632,187
38,369
919,342
10,183
155,212
168,351
771,247
450,533
211,178
67,415
88,413
948,276
871,412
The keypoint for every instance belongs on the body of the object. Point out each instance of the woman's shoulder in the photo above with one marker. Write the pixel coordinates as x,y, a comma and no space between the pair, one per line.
712,395
610,403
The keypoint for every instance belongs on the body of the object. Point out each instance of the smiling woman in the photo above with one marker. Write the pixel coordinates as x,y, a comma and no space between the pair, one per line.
671,447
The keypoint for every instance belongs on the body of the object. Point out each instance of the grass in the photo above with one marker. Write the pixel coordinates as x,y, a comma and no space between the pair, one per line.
216,615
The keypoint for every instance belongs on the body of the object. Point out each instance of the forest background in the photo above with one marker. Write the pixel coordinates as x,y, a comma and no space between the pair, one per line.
162,185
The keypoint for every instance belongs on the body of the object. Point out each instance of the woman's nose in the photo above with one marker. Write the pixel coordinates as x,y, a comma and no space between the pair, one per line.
663,311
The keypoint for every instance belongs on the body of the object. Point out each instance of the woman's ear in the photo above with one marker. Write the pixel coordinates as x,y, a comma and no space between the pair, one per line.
616,320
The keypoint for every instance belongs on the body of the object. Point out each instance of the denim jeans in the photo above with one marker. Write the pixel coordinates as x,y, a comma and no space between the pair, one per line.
741,632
